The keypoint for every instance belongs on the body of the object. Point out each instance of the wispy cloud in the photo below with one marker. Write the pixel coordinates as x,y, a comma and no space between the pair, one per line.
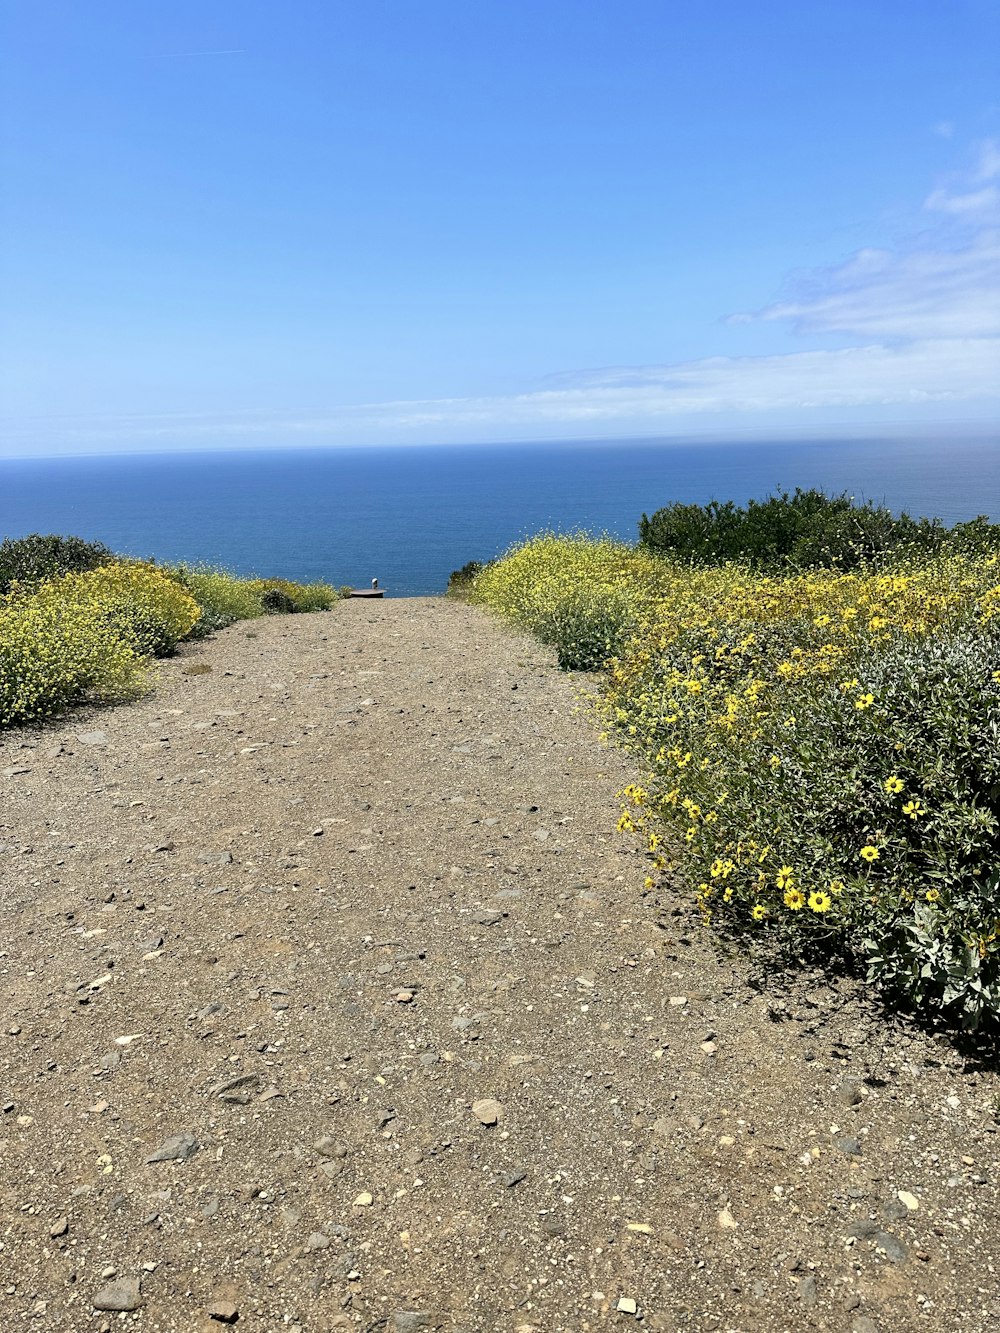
947,285
924,320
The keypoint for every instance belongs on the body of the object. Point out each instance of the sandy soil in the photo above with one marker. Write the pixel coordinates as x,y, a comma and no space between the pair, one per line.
341,929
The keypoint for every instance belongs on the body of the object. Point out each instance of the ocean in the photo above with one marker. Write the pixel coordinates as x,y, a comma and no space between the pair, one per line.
409,515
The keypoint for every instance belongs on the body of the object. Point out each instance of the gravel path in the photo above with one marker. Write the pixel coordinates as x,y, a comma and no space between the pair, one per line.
331,999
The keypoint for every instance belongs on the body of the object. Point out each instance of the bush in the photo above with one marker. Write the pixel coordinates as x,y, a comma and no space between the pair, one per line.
460,581
85,637
28,561
807,529
222,597
282,596
823,750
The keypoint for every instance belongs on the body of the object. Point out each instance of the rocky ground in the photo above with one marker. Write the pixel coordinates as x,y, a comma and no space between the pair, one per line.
331,999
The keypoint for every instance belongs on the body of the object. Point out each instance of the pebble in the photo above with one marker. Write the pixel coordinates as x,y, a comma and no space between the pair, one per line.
403,997
626,1305
849,1145
118,1296
806,1290
726,1220
849,1093
59,1228
408,1321
93,738
909,1201
363,1200
487,1111
487,918
178,1148
895,1251
225,1312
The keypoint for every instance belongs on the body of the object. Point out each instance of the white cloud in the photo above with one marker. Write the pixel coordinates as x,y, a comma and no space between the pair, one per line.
925,320
946,285
637,399
927,293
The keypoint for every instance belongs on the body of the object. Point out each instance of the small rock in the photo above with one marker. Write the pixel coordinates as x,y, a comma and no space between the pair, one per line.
363,1200
225,1312
408,1321
59,1228
910,1201
862,1324
97,738
16,771
806,1289
318,1241
487,918
403,997
849,1145
726,1220
178,1148
512,1178
626,1305
849,1093
487,1111
118,1296
895,1251
328,1146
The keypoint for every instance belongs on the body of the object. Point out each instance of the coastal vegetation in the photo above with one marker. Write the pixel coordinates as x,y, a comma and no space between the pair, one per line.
80,624
820,747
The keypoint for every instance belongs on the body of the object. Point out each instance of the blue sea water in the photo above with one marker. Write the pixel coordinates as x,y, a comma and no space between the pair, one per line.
409,515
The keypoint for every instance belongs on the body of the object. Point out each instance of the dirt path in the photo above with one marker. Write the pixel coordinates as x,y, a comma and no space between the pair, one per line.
297,917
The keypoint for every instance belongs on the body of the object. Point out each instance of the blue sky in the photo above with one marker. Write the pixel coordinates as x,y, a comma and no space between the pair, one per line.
229,223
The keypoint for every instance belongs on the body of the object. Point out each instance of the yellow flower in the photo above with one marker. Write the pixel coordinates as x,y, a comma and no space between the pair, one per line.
785,877
894,784
932,895
870,853
914,809
625,824
836,887
759,912
794,899
727,896
864,701
820,901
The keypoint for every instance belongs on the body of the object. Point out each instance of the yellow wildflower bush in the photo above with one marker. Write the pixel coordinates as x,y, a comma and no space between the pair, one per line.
85,636
823,750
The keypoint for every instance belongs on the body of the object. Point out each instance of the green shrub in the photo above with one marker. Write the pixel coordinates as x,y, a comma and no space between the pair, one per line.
586,626
804,530
460,581
28,561
284,597
223,598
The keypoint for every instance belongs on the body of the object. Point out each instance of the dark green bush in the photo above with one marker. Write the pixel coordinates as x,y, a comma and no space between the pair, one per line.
30,560
460,580
807,529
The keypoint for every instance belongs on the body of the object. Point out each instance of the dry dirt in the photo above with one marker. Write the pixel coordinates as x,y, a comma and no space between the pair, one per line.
308,919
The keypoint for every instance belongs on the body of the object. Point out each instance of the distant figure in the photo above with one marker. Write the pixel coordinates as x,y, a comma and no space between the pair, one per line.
374,583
